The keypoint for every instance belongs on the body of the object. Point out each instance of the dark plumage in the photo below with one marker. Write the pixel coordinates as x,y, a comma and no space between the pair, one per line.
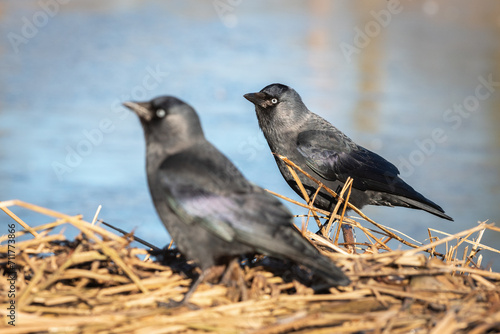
326,153
212,212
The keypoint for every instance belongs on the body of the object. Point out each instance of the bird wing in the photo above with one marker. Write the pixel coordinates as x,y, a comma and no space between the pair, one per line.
205,188
333,156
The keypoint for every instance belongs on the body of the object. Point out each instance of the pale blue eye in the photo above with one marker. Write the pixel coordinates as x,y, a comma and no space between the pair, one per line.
274,101
161,113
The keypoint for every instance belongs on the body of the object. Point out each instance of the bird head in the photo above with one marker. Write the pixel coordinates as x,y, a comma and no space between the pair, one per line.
270,96
167,118
277,103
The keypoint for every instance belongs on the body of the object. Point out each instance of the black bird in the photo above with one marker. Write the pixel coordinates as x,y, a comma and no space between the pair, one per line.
211,211
311,142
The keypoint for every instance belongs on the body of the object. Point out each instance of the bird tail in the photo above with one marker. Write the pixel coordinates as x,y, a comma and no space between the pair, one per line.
404,195
425,205
301,251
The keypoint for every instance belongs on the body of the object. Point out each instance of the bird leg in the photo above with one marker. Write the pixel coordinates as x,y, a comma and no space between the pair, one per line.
233,265
347,232
233,277
184,302
348,237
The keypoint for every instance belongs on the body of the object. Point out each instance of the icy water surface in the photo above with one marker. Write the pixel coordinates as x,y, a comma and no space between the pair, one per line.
418,82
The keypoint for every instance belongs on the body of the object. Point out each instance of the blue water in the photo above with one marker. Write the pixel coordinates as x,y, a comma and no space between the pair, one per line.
66,68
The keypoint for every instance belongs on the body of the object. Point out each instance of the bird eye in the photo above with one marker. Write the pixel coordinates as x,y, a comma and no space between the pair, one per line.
274,100
161,113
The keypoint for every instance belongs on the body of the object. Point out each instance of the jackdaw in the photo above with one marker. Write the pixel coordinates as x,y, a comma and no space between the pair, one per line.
311,142
211,211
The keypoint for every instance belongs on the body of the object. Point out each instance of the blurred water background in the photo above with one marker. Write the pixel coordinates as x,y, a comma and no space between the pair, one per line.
416,81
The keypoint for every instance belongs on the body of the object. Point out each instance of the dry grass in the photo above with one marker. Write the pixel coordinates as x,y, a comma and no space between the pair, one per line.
98,283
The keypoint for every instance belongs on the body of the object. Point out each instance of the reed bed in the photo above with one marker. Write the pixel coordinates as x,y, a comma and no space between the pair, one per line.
99,283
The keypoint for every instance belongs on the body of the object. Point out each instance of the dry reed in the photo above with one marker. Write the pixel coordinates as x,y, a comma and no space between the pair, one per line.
99,283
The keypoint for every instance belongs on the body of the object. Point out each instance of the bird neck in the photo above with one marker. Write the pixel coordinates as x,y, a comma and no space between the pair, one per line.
158,149
282,128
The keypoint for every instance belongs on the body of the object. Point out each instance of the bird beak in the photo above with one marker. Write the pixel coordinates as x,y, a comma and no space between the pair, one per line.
142,109
259,99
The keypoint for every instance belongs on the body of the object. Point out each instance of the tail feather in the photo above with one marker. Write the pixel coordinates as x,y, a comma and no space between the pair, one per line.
428,206
303,252
403,194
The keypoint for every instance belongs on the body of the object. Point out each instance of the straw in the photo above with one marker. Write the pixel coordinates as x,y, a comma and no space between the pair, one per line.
98,283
